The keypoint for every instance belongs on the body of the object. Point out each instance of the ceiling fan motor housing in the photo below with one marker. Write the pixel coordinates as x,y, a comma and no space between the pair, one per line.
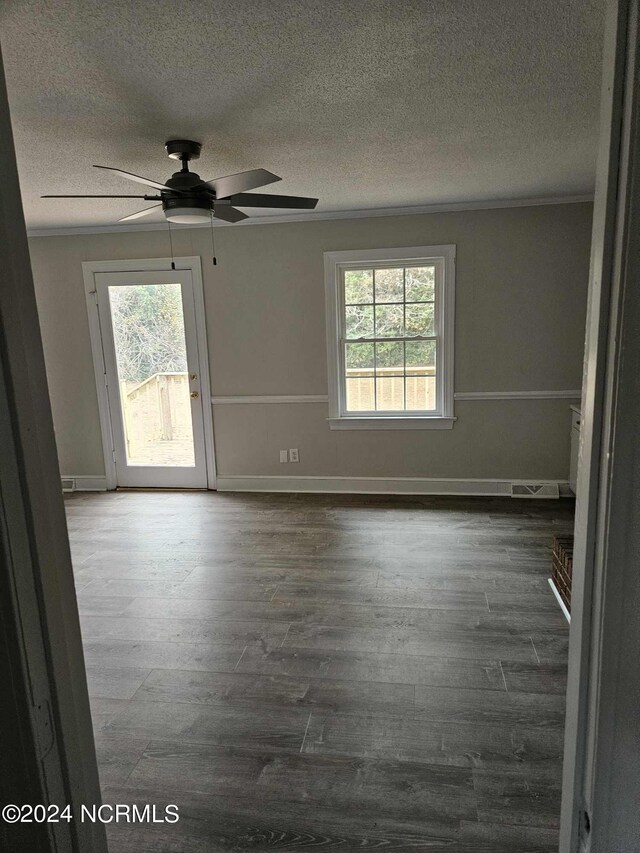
192,193
183,149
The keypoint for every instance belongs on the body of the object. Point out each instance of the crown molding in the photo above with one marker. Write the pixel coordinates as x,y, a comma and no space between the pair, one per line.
321,215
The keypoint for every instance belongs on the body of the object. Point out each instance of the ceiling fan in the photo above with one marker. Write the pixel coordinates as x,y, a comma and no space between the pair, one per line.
188,200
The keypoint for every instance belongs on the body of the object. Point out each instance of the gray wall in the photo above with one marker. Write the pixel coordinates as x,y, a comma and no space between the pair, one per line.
522,276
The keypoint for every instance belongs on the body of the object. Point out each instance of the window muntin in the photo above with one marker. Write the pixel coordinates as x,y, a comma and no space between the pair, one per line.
389,338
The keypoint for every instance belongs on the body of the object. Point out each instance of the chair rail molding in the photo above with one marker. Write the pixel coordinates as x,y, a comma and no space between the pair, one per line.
518,395
239,399
270,398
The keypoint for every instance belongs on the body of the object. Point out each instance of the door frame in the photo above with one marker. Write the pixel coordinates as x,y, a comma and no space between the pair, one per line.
45,704
191,263
601,780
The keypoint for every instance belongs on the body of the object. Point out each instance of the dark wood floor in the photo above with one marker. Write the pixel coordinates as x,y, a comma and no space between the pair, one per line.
336,672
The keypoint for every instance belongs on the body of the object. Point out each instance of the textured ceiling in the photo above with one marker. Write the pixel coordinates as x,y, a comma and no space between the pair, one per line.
364,103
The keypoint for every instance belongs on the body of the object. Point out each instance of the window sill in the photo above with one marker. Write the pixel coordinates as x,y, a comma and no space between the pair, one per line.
386,422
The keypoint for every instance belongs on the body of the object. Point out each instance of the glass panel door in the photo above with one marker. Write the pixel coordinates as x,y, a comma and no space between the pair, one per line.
150,350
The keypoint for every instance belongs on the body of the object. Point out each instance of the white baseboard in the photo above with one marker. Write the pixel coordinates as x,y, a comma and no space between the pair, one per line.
375,485
563,606
345,485
84,483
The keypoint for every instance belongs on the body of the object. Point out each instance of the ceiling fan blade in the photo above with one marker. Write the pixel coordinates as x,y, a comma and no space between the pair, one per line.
146,181
140,213
149,198
264,200
251,180
229,214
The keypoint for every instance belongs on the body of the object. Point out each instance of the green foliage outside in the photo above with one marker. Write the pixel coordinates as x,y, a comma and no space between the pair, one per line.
366,318
148,329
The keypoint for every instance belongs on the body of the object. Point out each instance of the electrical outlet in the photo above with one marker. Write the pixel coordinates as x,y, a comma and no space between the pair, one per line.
283,456
294,456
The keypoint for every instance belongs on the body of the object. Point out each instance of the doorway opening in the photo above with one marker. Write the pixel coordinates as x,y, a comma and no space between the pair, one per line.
152,376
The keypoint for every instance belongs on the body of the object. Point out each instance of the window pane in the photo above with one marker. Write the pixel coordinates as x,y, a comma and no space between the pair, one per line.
358,286
421,283
420,319
360,394
389,393
390,321
151,358
359,357
389,286
359,321
421,356
390,359
421,393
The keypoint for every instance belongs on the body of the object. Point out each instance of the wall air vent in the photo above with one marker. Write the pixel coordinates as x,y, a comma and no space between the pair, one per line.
68,484
535,490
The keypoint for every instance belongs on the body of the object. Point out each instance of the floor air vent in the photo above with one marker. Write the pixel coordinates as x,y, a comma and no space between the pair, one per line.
68,484
535,490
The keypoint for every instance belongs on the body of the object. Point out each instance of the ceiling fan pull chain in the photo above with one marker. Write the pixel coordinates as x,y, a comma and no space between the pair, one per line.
173,263
213,242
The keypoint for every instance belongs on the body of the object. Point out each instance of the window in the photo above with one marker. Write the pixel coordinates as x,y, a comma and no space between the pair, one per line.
390,338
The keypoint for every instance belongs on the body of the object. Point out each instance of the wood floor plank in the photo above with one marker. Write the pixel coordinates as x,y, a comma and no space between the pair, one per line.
103,605
103,710
259,590
505,838
216,823
535,678
121,568
173,769
211,631
145,655
412,641
514,603
406,789
394,789
375,667
292,593
315,613
528,710
532,799
346,697
299,571
471,581
108,682
444,742
117,756
189,723
551,647
334,614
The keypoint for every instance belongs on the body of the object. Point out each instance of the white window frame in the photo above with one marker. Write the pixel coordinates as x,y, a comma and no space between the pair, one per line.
335,264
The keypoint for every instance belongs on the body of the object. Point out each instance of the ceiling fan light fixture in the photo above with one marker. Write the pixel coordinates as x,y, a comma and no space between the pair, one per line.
188,215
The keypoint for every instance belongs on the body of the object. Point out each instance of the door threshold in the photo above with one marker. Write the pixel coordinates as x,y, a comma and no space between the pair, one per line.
161,489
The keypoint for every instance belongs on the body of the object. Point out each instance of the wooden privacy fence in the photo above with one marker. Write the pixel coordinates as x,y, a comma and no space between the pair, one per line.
390,389
156,409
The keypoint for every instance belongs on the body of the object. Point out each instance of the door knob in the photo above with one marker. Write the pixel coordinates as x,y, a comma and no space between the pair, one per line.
194,395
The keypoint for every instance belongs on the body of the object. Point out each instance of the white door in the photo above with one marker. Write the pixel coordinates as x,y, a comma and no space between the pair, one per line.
152,375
